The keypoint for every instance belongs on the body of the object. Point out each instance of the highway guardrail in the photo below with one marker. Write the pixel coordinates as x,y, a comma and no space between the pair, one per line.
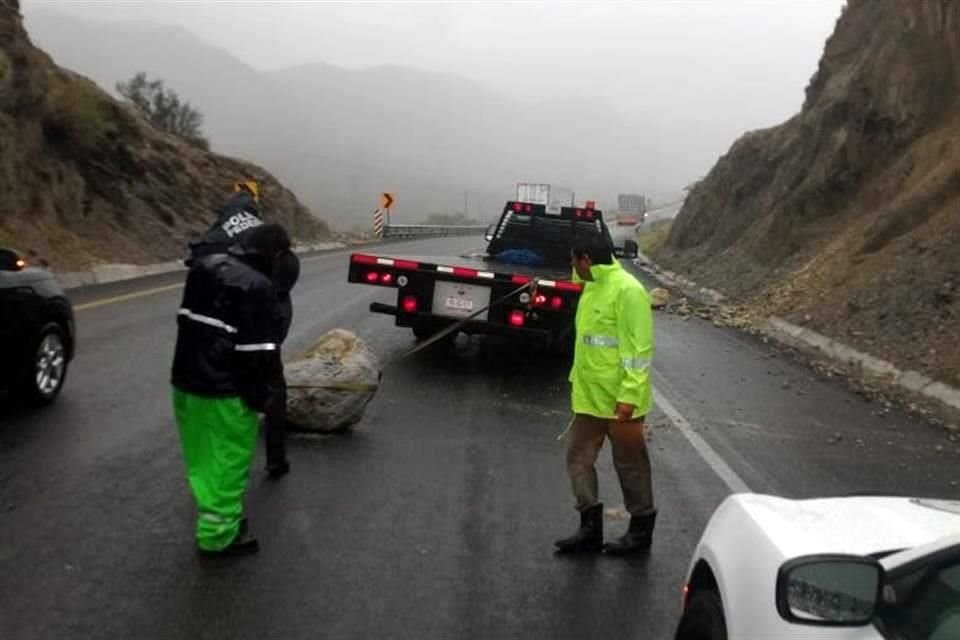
430,230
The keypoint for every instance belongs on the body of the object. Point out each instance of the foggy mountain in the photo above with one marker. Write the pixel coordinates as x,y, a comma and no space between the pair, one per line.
338,137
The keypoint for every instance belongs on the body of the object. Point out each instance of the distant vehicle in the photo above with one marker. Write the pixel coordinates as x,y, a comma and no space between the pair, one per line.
527,244
852,568
37,336
553,198
631,209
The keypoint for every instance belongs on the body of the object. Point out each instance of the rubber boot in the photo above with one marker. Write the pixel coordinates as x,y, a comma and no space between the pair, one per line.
637,539
589,537
244,544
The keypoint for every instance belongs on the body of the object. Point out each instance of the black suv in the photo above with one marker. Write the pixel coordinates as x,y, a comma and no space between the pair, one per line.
36,330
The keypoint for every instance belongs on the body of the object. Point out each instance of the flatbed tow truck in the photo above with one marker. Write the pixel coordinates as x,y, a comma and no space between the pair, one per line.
520,286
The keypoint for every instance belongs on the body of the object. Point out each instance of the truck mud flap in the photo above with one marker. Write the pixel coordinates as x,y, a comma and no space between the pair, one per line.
379,307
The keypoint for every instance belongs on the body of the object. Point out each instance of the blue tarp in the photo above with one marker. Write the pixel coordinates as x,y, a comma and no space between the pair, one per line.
523,257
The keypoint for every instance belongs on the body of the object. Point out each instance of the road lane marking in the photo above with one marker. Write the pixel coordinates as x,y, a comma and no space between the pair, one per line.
711,457
127,296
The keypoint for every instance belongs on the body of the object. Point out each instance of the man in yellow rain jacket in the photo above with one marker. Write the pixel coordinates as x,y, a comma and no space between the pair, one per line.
612,395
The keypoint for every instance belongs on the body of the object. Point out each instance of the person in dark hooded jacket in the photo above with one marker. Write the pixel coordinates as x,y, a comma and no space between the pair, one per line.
285,275
222,371
235,218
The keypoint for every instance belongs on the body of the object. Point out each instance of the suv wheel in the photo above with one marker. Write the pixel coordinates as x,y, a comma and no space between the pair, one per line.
703,618
47,366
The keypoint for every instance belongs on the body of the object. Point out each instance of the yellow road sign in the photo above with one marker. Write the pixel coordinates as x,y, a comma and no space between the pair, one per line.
386,200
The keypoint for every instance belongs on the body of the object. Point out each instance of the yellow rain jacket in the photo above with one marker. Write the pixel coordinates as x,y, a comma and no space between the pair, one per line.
614,350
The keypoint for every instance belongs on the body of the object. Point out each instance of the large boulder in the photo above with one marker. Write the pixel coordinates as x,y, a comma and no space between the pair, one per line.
330,384
659,298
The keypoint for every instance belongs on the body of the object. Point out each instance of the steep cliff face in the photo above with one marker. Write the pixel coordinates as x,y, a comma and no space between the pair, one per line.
847,216
83,179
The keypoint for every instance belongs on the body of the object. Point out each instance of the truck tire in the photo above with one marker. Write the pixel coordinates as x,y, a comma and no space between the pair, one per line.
425,330
703,618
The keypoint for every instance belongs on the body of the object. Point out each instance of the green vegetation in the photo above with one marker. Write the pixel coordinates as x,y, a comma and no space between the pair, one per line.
75,114
164,109
651,237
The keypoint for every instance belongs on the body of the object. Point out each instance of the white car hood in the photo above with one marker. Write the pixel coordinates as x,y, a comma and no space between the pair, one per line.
856,525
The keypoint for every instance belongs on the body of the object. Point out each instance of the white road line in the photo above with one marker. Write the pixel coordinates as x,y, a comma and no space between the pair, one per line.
711,457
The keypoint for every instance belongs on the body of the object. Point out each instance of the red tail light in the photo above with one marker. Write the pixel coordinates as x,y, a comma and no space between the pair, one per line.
517,318
517,206
410,304
464,273
529,208
372,277
539,300
386,278
406,264
556,303
359,258
521,279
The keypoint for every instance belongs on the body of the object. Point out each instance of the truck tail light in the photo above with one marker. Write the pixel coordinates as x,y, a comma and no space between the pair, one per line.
372,277
556,303
539,300
517,318
410,304
386,278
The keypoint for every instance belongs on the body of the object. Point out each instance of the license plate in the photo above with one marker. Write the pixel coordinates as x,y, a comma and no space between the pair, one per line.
458,300
460,304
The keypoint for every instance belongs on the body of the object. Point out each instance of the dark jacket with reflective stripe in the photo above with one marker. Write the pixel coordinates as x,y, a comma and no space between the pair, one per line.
285,276
225,338
238,215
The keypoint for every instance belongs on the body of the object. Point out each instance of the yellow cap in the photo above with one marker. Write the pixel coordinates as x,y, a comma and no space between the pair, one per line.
248,185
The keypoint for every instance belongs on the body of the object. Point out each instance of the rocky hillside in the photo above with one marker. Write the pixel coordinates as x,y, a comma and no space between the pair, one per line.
86,180
846,218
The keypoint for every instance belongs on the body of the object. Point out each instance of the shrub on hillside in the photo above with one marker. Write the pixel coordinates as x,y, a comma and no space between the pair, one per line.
164,109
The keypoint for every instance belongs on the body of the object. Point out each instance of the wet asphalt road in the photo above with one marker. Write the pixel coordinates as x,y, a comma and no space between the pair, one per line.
435,518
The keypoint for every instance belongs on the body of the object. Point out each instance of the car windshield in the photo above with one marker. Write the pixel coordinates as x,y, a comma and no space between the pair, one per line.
925,603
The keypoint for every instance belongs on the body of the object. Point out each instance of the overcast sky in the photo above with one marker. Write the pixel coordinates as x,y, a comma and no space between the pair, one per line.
705,70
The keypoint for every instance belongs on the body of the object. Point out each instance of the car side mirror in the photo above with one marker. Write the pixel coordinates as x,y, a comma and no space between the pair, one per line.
829,590
11,260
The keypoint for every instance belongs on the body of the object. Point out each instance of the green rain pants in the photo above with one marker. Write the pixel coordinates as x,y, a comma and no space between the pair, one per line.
218,436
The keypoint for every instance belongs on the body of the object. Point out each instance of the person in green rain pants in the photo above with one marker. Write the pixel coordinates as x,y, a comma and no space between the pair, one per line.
221,380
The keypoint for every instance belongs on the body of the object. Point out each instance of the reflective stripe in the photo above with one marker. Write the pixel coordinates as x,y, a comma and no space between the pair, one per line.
213,322
601,341
213,517
640,364
260,346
